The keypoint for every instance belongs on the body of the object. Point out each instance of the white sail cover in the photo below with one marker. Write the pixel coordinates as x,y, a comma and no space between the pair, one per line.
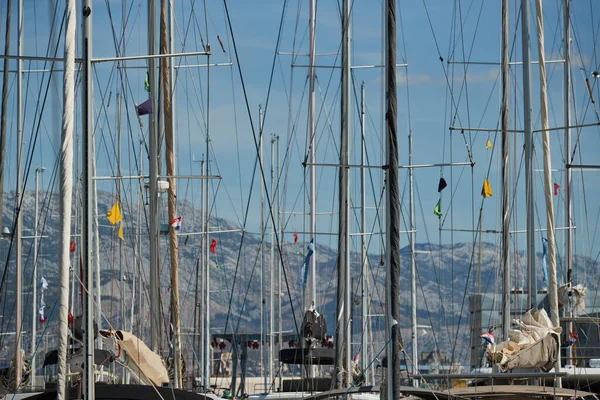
134,354
534,345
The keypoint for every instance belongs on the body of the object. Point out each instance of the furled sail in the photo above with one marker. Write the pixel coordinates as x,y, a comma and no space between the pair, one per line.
132,352
534,345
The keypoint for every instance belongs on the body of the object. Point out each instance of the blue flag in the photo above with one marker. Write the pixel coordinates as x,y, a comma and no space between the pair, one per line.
305,266
544,256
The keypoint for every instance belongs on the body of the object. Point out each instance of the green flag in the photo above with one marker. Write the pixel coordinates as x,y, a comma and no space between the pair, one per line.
146,84
437,210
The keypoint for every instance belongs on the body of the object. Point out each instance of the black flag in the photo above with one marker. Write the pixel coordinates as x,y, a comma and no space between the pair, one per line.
442,184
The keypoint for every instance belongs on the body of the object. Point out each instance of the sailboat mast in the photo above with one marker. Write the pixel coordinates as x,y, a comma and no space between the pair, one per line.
366,324
342,345
86,229
271,340
153,183
66,183
552,284
207,337
392,209
312,225
413,271
18,199
5,69
34,284
505,176
170,165
528,137
263,350
567,122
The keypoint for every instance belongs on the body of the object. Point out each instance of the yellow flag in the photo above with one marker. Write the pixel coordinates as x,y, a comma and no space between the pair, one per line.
114,214
486,190
120,233
488,144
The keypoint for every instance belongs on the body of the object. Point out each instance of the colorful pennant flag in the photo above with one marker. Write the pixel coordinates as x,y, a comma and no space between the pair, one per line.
114,214
147,83
120,232
176,223
72,247
437,210
544,259
556,187
356,358
306,265
442,184
488,337
486,190
573,336
488,144
43,287
145,108
213,246
295,237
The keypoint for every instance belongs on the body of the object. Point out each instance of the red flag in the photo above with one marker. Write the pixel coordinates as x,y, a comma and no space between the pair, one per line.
72,247
295,237
556,189
213,246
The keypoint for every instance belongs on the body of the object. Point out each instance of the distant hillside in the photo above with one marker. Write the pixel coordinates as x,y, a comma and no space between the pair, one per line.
446,275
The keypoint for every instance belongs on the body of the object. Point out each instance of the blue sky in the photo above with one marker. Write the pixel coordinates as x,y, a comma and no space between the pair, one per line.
468,30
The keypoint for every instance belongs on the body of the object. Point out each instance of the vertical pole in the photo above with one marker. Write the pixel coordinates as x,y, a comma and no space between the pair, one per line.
413,272
505,175
203,268
207,336
66,179
393,209
279,266
547,178
263,349
366,322
155,326
528,136
312,226
271,341
140,314
567,189
343,335
34,314
19,221
87,177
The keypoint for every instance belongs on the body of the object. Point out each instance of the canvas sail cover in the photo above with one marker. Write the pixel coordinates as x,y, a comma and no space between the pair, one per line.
535,344
134,354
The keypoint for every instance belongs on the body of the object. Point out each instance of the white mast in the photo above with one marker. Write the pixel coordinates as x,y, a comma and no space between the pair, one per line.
552,285
66,183
263,350
19,221
34,309
366,324
271,339
413,271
